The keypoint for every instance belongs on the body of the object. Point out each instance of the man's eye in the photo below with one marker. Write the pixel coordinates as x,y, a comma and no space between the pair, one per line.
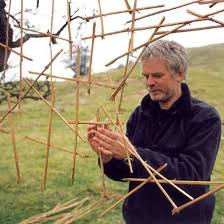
157,75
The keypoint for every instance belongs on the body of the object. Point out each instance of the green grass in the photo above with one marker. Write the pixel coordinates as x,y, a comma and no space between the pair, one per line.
21,201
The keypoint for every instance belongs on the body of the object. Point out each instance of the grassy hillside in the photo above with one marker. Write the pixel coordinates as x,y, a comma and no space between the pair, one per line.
20,201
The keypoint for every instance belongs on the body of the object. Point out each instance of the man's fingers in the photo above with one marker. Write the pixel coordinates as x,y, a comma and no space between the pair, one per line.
99,146
91,127
108,133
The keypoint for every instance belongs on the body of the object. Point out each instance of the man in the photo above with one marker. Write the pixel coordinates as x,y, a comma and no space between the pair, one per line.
169,127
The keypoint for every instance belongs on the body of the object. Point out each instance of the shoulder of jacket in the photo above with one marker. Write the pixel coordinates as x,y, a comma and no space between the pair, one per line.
203,111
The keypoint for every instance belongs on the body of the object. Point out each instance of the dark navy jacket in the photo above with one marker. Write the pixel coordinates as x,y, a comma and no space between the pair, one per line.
186,137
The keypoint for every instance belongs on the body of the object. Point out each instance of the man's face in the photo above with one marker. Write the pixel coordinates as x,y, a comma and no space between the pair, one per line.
163,86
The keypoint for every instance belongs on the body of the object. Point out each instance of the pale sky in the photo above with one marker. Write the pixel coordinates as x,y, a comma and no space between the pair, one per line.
111,46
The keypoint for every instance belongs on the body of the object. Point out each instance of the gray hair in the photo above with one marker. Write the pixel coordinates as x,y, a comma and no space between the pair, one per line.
174,53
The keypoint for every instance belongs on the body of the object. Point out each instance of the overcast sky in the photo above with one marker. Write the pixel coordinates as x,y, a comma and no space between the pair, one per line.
111,46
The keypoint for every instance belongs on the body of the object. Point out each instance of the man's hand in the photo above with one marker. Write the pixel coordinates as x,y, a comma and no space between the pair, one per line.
109,142
96,146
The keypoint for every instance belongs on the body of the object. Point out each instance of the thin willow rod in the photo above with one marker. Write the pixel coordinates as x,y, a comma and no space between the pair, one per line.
78,64
70,215
75,80
48,142
91,208
91,56
69,28
194,29
123,81
210,6
87,18
101,20
46,67
132,150
178,209
50,121
202,16
191,30
132,191
133,25
145,28
126,148
17,53
210,2
7,41
57,113
58,209
178,182
21,53
5,132
13,137
55,147
165,10
125,73
127,5
90,122
48,34
101,159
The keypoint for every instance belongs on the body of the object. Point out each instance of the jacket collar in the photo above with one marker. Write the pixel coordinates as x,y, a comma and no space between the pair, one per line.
182,106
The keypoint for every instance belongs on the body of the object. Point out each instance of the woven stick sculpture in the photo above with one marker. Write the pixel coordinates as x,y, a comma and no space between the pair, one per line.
155,177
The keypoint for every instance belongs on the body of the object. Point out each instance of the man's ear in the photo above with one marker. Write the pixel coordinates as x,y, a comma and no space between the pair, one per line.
180,77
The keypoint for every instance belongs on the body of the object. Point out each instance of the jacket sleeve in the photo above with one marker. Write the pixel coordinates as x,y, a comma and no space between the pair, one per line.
196,160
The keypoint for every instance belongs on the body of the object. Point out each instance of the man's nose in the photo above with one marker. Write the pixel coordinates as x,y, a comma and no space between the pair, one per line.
150,81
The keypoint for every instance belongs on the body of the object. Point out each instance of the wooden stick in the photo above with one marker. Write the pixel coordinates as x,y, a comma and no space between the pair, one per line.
123,81
57,113
9,48
132,150
3,131
201,16
145,28
87,18
165,10
133,26
91,122
127,5
13,137
76,112
91,56
45,173
213,5
210,2
190,30
7,41
48,34
100,158
178,182
207,15
132,191
75,80
69,28
178,209
101,20
48,142
55,147
46,67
